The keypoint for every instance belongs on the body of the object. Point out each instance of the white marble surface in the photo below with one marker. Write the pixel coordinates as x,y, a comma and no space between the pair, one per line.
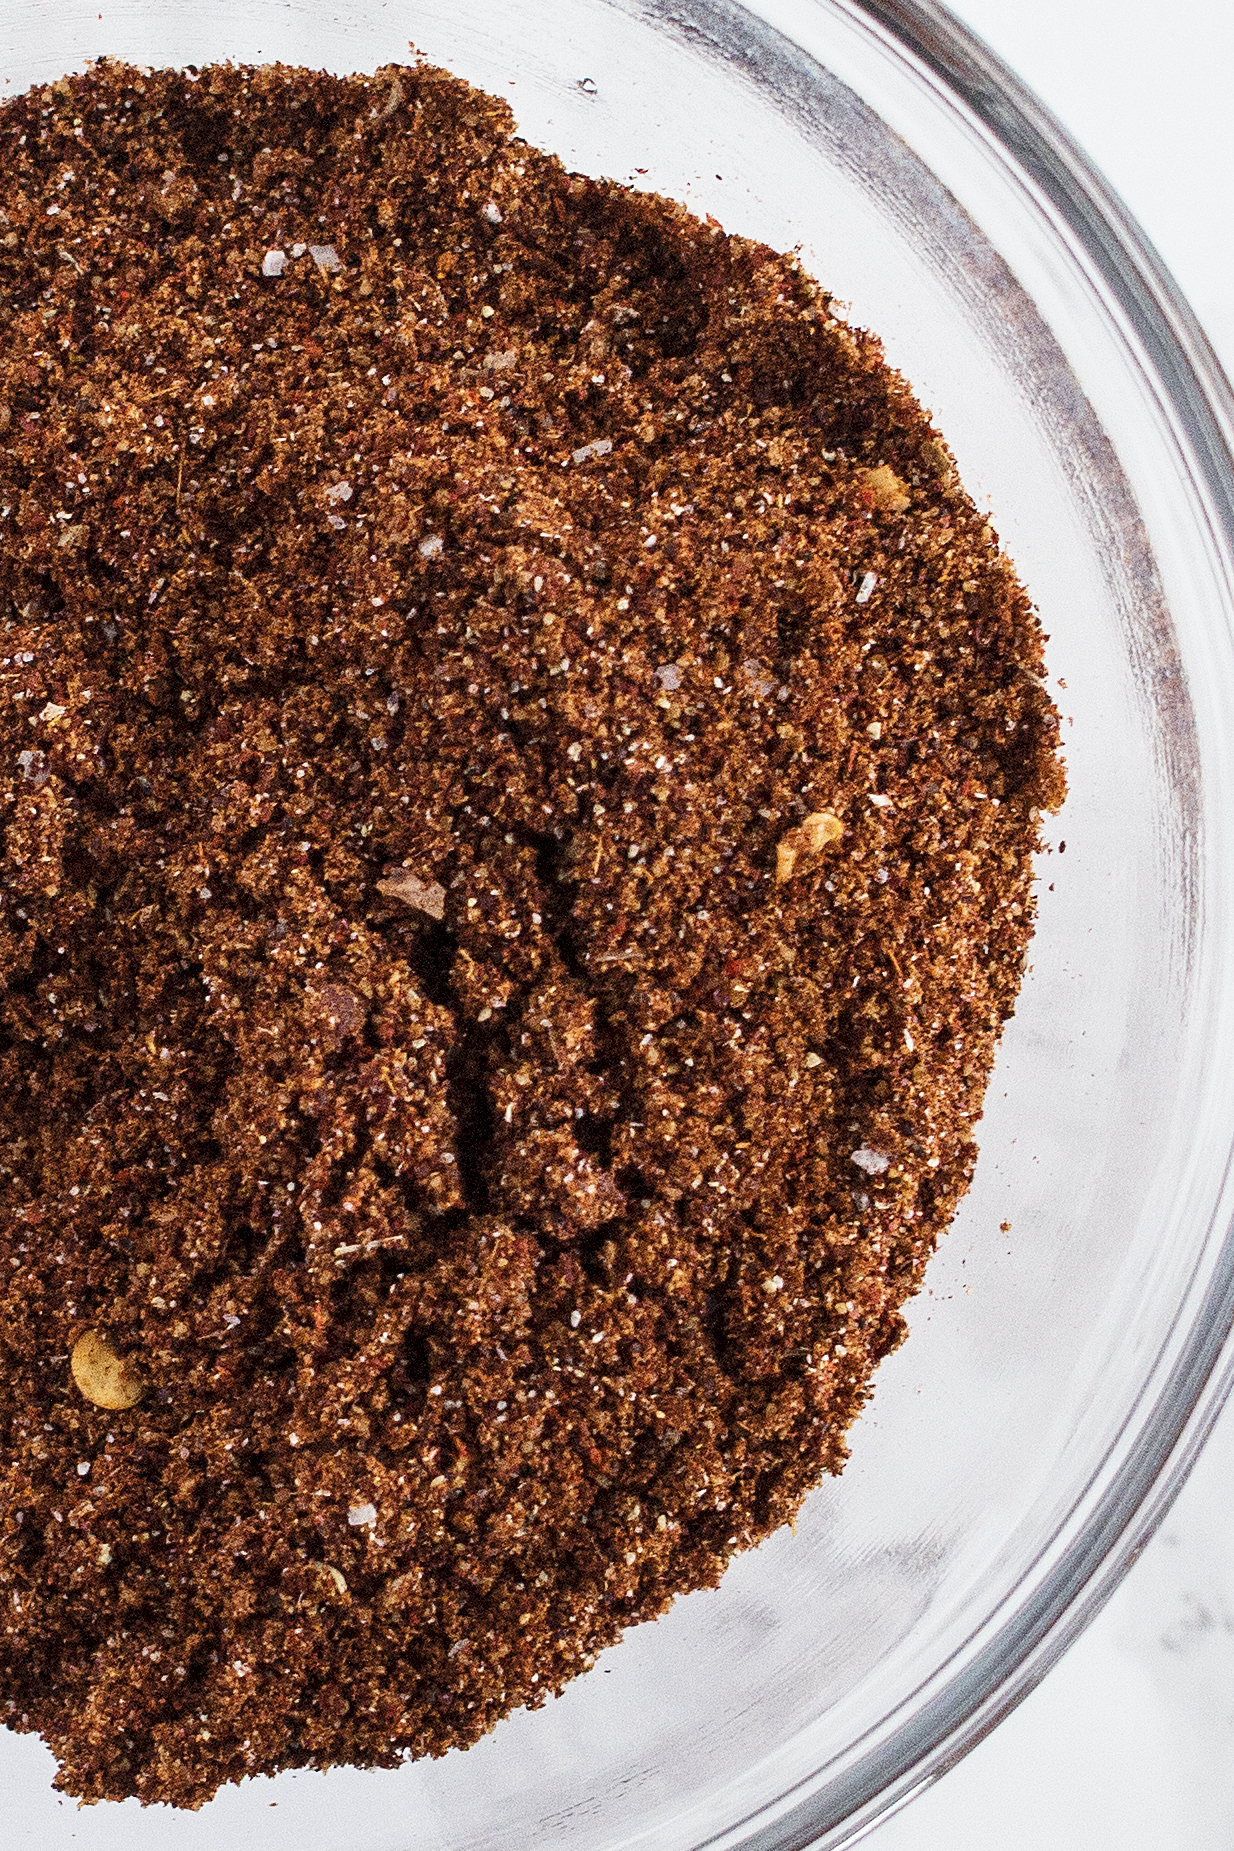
1128,1745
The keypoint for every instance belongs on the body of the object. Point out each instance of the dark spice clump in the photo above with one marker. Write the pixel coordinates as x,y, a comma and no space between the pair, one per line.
519,766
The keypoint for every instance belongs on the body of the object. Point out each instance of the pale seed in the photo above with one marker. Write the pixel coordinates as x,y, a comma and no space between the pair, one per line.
821,828
890,494
811,834
103,1377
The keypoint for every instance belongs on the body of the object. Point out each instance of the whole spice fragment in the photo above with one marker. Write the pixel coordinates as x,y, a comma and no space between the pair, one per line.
810,836
428,896
107,1380
440,594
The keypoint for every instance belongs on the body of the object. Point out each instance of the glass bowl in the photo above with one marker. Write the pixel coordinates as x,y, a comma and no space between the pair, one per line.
1071,1347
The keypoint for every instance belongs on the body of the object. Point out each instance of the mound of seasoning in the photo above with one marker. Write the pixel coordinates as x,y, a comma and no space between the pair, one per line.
519,766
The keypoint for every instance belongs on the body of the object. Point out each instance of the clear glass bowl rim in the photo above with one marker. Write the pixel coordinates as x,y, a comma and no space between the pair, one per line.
1091,1561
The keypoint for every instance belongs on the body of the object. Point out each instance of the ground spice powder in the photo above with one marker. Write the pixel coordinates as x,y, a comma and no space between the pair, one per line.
519,765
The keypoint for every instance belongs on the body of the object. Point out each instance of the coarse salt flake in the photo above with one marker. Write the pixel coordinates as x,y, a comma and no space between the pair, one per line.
358,1515
866,590
873,1162
599,446
274,263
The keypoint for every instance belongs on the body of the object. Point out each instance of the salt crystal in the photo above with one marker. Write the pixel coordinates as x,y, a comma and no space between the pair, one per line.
274,263
83,1468
600,447
492,213
341,491
325,256
879,801
298,250
336,520
500,362
360,1514
867,587
431,545
873,1162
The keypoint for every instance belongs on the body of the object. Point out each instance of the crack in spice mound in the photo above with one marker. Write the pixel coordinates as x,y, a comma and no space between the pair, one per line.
520,767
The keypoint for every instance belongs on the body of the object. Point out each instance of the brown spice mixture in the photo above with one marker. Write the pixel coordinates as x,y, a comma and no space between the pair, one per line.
451,1057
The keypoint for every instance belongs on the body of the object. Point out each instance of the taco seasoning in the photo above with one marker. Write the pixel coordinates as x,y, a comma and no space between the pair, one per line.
520,764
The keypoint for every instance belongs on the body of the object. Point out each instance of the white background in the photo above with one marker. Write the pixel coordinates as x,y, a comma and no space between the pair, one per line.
1128,1745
